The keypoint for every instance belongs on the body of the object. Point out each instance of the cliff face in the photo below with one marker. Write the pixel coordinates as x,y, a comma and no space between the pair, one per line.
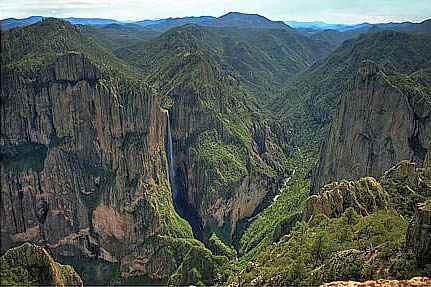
72,145
226,158
29,264
379,121
83,167
220,163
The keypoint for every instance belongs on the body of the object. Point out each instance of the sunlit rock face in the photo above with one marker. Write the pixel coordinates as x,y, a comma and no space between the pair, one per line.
416,281
83,167
377,124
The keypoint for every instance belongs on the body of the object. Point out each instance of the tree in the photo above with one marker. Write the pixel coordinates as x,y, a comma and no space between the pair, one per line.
320,247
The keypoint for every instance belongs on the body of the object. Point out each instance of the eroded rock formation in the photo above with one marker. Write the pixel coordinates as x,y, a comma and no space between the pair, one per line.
379,121
365,196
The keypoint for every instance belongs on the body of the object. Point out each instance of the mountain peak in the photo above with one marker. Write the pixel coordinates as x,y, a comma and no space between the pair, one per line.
239,14
243,20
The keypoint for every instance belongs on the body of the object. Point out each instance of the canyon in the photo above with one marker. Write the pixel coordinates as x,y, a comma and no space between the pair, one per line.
192,156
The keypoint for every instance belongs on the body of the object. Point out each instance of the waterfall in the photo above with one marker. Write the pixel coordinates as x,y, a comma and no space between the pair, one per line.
171,160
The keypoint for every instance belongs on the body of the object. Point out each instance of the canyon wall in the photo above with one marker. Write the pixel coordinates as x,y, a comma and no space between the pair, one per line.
380,120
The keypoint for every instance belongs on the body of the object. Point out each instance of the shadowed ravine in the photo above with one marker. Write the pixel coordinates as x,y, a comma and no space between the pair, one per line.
179,192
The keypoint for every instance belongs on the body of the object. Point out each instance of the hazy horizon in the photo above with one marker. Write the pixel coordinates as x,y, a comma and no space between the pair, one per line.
329,11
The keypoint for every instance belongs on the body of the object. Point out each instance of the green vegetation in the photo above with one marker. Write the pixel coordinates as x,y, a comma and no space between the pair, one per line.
294,192
246,106
350,247
14,275
200,267
319,251
33,48
223,164
29,265
260,60
93,271
219,248
188,261
409,189
309,98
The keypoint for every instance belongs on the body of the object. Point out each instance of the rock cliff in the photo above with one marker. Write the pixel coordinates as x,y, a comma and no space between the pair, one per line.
83,167
380,120
29,264
226,157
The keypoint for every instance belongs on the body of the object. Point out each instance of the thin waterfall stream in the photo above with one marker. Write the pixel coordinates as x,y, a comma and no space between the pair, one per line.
171,160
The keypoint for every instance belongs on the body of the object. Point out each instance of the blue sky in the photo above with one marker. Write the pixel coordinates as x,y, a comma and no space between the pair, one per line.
331,11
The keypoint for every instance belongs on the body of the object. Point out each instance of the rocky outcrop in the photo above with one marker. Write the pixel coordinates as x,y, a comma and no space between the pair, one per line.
379,121
365,196
187,262
419,233
31,264
416,281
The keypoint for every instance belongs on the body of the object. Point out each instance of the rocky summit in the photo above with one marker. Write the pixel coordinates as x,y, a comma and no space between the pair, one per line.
214,151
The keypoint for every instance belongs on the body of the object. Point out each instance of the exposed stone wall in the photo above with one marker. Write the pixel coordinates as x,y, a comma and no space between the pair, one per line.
376,125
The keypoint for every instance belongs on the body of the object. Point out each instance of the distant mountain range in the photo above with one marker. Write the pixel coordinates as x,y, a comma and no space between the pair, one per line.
231,19
319,25
13,22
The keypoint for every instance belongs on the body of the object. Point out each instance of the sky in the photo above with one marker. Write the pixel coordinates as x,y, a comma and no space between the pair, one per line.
330,11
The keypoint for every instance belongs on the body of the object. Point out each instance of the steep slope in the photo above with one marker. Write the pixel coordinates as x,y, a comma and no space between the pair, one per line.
419,233
261,61
29,265
351,230
379,121
309,99
84,166
297,253
226,158
116,36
